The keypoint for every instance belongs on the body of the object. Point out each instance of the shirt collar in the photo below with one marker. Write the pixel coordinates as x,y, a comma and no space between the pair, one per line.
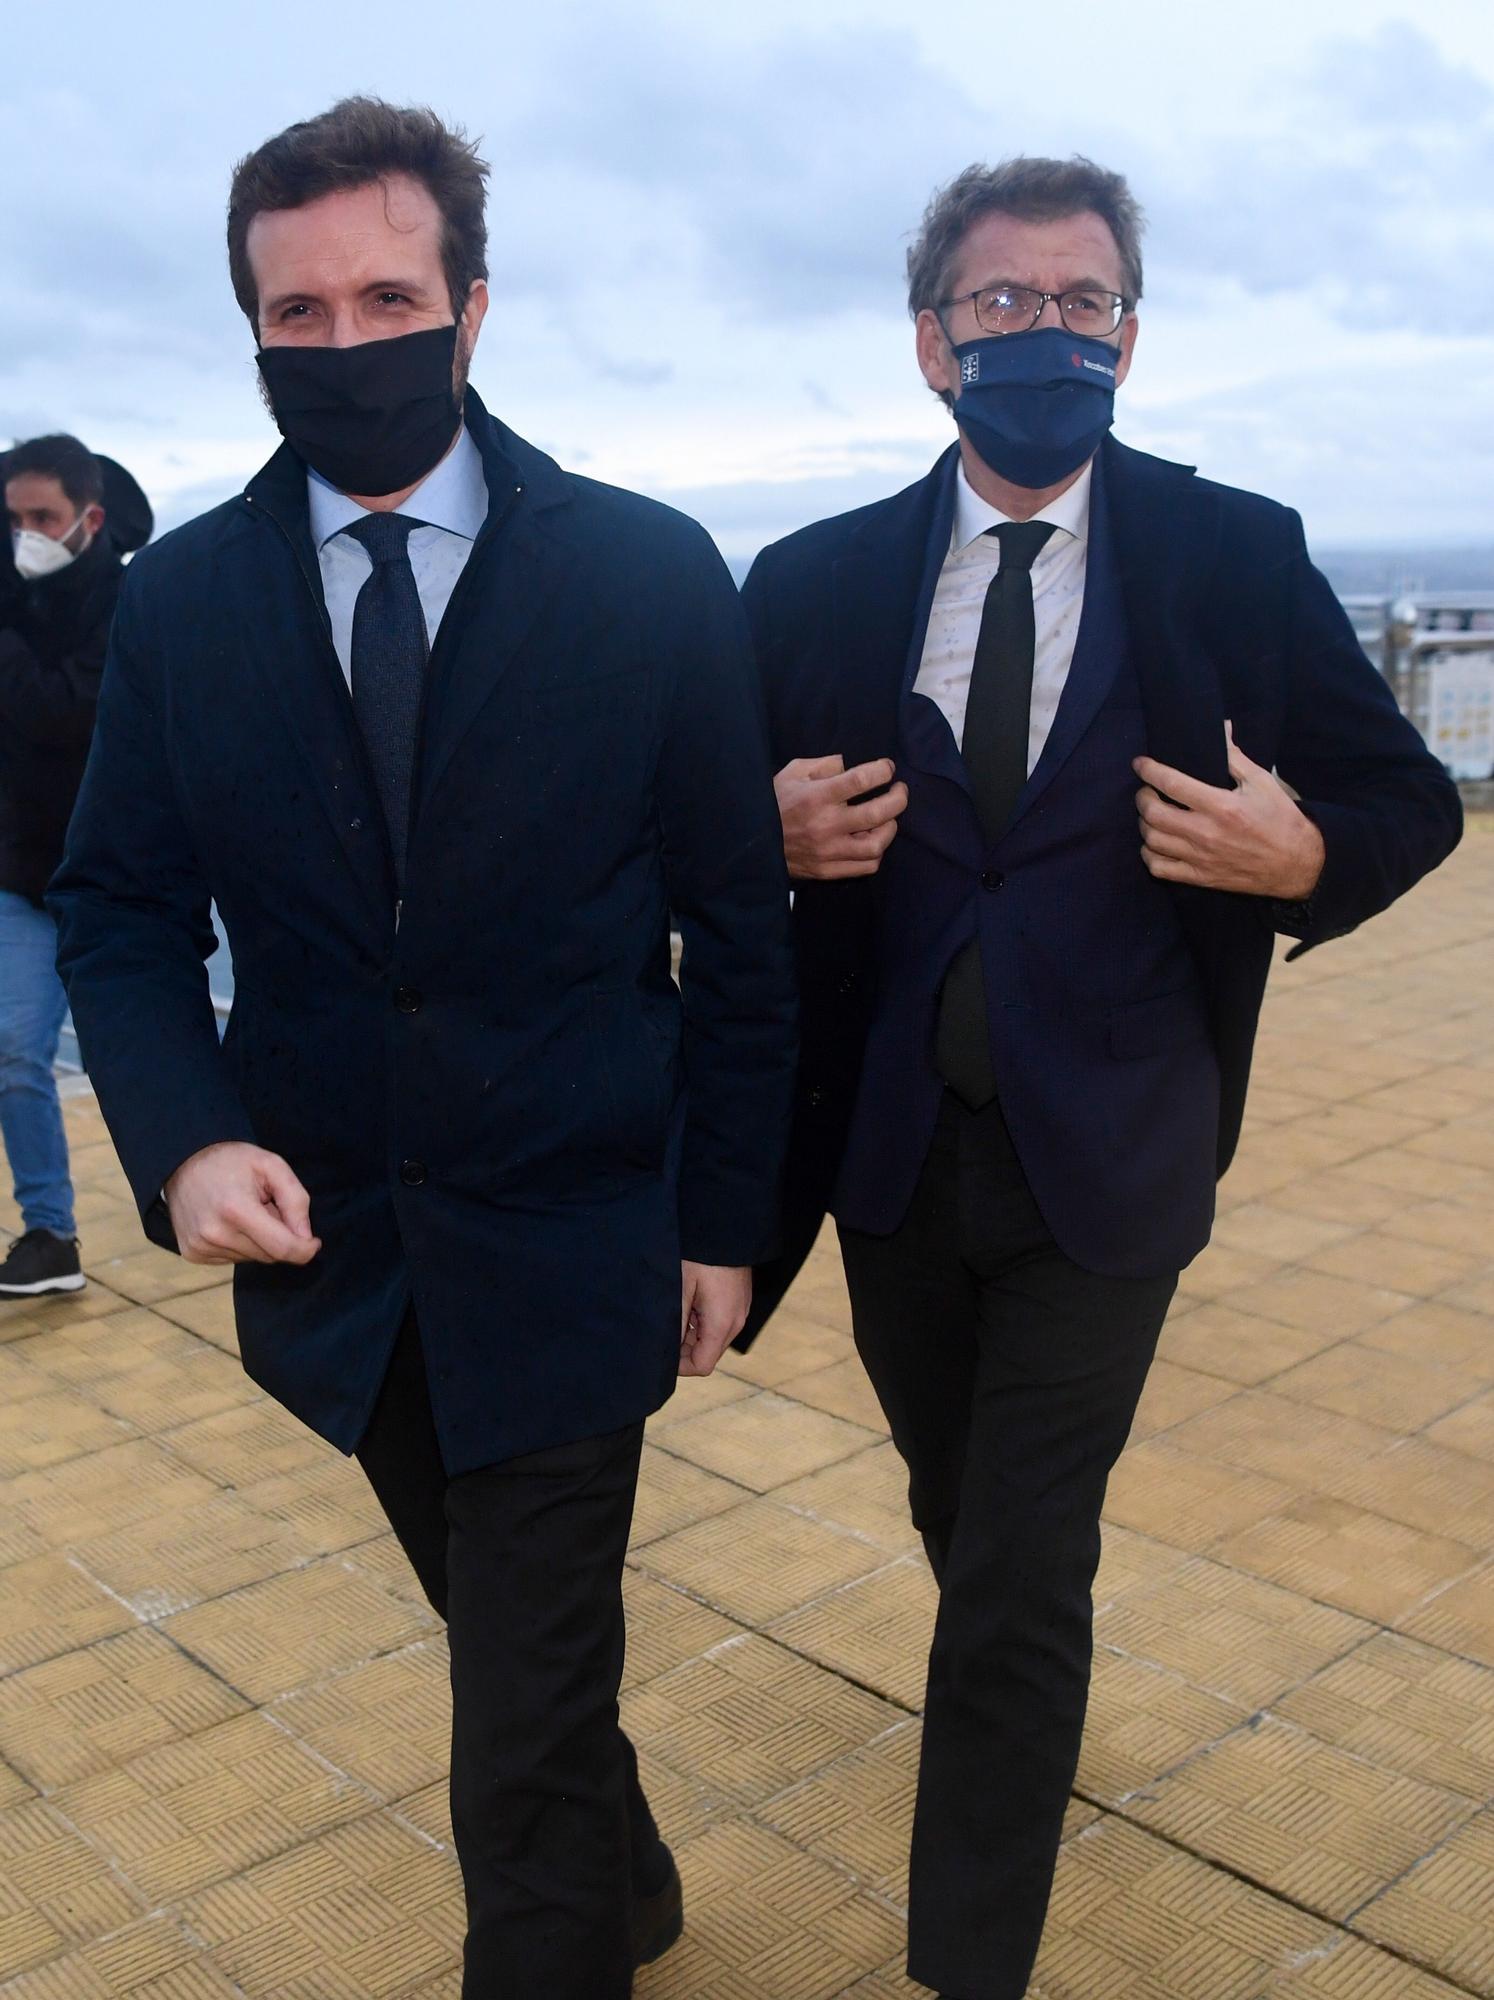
1069,513
453,495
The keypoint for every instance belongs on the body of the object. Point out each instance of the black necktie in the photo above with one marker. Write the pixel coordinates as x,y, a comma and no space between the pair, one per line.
997,719
390,650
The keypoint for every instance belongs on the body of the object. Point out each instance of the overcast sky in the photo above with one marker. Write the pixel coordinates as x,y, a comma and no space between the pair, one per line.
699,217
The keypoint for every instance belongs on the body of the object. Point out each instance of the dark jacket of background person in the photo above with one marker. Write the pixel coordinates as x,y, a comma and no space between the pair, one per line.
494,1100
1124,1092
53,634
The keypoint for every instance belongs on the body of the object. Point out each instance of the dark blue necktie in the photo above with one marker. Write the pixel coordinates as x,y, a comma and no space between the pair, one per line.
390,651
998,716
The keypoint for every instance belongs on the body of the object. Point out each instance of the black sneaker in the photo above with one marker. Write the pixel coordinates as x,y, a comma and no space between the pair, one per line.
41,1262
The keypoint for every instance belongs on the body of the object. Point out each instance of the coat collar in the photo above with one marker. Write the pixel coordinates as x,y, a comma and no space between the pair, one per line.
518,563
1164,526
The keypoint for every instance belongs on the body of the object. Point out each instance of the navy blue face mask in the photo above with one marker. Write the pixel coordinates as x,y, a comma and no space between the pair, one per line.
1035,405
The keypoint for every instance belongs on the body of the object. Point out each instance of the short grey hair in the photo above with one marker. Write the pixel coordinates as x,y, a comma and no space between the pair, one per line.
1033,190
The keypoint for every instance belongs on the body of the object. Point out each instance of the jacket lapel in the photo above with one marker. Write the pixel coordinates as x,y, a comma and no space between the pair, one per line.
315,702
1096,649
1165,532
883,586
517,568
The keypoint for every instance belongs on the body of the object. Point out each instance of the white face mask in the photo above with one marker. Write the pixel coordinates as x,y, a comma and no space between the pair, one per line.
38,555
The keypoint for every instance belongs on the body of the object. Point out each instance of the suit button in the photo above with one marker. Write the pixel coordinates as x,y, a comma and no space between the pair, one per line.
407,1000
412,1173
991,878
848,984
815,1096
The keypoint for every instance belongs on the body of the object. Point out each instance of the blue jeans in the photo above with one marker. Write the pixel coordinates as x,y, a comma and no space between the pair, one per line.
33,1007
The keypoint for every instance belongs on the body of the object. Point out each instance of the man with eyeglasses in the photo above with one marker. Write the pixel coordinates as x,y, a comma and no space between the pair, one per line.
1028,714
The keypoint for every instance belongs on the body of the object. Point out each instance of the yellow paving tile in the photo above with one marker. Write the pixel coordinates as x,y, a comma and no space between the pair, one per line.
752,1718
765,1441
208,1314
1404,1707
791,1345
55,1890
867,1494
1173,1394
672,1493
1424,1485
1469,1428
1142,1723
170,1561
149,1275
1134,1919
273,1637
1443,1911
201,1809
1461,1618
666,1627
154,1959
1301,1817
1260,1431
1239,1347
877,1631
768,1922
386,1723
1245,1639
1438,1331
843,1390
1398,1263
1361,1562
858,1811
365,1912
1317,1302
104,1704
1396,1391
760,1560
48,1605
694,1395
89,1497
1351,1970
46,1428
1191,1501
141,1368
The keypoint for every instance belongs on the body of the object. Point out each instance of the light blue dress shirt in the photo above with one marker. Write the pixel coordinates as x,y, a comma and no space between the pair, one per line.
451,502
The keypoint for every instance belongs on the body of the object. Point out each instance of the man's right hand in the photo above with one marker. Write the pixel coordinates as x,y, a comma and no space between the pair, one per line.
237,1204
825,837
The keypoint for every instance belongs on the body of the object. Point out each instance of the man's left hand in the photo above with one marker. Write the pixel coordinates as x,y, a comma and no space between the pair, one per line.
714,1303
1254,839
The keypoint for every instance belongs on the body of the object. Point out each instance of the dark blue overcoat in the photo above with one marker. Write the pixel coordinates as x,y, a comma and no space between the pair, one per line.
501,1104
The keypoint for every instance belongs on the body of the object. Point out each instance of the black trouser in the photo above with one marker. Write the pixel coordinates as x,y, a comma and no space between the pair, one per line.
524,1561
1010,1377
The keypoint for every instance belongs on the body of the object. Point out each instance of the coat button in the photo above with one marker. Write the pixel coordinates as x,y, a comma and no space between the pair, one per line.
991,878
407,1000
815,1096
412,1173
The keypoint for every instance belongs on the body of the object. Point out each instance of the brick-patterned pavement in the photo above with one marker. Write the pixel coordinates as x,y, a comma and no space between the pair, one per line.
223,1705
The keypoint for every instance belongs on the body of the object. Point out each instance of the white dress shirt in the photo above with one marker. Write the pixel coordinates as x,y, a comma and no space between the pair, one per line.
960,597
451,502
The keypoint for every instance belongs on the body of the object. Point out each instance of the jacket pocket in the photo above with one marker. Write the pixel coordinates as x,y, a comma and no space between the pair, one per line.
1157,1026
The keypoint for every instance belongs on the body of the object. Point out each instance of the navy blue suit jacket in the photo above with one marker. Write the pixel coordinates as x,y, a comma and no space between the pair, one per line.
501,1106
1225,616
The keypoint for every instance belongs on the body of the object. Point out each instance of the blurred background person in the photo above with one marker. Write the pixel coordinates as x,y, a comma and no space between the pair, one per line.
60,573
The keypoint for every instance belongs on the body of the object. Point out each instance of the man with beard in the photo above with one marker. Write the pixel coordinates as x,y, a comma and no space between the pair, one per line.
60,574
1028,714
447,733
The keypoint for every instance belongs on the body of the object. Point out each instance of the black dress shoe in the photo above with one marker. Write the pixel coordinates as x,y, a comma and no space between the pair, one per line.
659,1919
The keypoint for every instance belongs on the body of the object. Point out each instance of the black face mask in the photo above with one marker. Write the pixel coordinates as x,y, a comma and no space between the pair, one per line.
373,418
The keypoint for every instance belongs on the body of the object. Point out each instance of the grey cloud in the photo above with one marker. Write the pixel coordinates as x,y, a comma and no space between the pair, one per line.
1366,183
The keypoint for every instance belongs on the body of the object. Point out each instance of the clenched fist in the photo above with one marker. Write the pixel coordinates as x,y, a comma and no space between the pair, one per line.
237,1204
825,837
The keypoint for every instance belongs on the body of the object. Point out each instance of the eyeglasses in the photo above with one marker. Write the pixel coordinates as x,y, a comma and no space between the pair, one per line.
1015,308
